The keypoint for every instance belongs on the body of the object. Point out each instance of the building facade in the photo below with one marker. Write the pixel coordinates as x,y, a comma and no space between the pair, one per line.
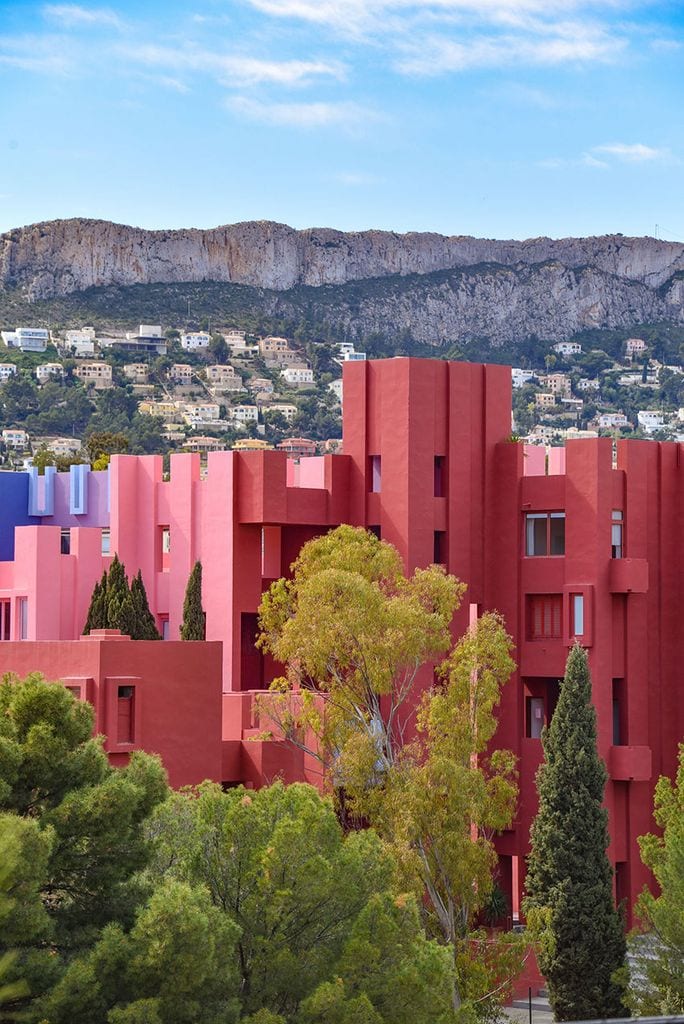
577,543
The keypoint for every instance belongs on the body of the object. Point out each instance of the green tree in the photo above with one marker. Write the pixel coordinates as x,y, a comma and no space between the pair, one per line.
120,610
177,965
146,627
657,981
441,804
218,348
312,906
103,444
354,632
569,900
55,774
97,610
116,605
24,852
193,626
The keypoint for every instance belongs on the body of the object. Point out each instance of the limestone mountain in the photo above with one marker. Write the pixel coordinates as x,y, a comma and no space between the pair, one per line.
435,288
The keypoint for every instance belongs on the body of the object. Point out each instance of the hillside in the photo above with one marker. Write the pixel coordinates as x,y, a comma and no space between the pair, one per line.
431,289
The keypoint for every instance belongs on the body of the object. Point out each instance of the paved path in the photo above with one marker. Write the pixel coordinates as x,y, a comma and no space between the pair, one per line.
519,1012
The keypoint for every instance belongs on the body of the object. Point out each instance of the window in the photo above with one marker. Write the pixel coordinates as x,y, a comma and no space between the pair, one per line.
376,530
5,619
106,542
619,716
544,616
65,542
535,715
22,609
545,533
439,476
164,627
125,732
616,534
577,615
440,547
163,548
374,473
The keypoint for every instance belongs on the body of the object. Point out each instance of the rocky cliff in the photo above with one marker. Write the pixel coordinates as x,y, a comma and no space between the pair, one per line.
438,288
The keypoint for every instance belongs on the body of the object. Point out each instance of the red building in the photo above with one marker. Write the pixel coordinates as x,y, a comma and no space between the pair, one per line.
162,698
581,544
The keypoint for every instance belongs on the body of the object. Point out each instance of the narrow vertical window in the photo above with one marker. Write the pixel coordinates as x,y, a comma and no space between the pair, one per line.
578,615
619,713
65,542
5,620
23,617
106,542
616,534
164,627
375,473
439,547
534,717
535,534
557,533
125,714
439,476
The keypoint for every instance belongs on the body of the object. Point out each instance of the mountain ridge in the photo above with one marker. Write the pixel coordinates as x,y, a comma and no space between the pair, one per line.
437,288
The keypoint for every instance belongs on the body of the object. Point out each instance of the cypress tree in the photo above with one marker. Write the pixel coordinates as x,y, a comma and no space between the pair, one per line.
145,626
194,623
120,608
569,880
97,615
115,605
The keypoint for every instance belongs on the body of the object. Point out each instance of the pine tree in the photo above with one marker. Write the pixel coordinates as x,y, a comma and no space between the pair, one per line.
194,623
146,627
569,900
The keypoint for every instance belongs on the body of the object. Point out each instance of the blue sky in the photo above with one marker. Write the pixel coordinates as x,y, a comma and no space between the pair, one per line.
496,118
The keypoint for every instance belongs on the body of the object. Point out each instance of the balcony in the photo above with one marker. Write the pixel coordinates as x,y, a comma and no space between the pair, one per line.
630,764
628,576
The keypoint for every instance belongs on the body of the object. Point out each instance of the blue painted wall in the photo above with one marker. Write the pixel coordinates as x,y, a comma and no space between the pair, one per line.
14,497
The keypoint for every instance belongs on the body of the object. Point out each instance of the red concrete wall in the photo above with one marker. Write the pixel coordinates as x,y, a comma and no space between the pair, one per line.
177,695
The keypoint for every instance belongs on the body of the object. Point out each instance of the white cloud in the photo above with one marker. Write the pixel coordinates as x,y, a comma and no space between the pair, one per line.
235,69
604,157
634,153
433,37
591,161
302,115
541,46
40,54
75,16
52,64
